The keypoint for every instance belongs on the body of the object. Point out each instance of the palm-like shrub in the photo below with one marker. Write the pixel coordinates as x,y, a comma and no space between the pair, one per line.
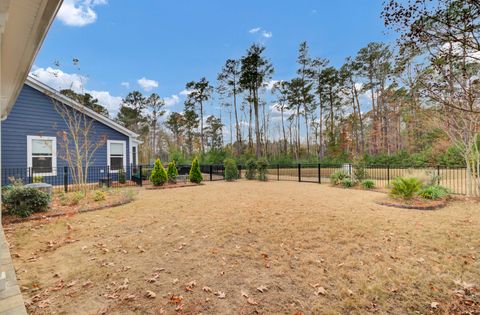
368,184
262,166
172,173
231,170
433,192
251,172
195,173
158,176
348,182
337,177
405,188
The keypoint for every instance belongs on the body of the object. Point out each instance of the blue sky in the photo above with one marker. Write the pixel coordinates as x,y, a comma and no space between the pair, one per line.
168,43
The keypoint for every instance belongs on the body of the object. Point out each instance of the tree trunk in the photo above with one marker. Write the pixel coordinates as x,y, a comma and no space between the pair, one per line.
257,124
237,125
201,128
283,130
307,135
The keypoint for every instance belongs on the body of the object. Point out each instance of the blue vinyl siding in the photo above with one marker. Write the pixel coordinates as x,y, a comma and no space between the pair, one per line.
34,114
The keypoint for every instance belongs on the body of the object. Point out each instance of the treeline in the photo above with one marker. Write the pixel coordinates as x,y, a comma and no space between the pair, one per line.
407,103
369,106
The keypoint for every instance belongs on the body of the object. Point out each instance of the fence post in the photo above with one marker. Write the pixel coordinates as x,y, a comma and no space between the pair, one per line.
211,172
65,178
239,171
278,171
350,169
438,174
388,174
319,173
299,172
108,176
140,178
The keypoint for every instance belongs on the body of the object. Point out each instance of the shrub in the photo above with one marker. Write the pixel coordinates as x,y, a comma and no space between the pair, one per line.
231,170
121,177
23,201
359,171
195,173
368,184
251,171
348,182
99,195
405,188
433,192
338,176
75,198
37,179
158,176
172,172
262,166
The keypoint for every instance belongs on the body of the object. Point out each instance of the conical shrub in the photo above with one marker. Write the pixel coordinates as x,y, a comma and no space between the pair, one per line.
159,175
172,172
195,173
231,170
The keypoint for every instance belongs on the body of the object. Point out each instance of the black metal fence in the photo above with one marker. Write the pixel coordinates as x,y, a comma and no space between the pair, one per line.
72,179
63,178
453,178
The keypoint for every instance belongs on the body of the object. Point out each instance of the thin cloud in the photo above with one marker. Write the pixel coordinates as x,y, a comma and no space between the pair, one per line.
267,34
79,12
147,84
254,30
60,80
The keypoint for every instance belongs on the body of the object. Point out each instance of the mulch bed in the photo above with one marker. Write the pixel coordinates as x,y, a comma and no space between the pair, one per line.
168,186
58,210
415,203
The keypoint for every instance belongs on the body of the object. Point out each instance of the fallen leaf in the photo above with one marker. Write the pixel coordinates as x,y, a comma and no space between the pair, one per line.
150,294
251,301
262,288
220,294
207,289
189,286
321,290
434,305
71,284
175,281
176,299
243,293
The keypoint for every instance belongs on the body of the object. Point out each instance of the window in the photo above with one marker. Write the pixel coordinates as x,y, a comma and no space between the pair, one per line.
42,155
134,155
116,155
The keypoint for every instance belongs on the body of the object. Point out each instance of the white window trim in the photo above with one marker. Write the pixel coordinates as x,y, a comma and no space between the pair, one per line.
136,154
54,154
124,143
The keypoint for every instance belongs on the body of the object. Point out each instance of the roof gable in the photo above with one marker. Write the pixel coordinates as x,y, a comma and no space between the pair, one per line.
50,92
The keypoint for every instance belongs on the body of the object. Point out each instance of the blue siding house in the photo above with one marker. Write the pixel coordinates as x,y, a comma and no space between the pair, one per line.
33,138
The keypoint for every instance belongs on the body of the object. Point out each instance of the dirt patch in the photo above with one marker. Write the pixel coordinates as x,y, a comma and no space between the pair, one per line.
252,247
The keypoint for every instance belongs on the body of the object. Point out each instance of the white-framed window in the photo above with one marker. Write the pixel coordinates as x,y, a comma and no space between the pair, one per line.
116,155
42,155
134,155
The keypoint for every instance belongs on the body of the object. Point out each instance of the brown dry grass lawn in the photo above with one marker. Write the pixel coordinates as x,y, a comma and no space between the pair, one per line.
311,249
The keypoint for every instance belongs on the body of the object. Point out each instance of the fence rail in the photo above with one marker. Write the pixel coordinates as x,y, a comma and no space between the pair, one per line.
62,178
453,178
